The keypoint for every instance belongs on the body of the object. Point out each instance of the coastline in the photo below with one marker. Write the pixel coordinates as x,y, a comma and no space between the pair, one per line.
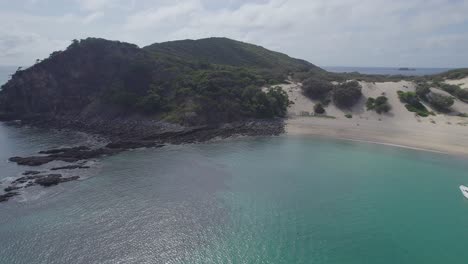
431,140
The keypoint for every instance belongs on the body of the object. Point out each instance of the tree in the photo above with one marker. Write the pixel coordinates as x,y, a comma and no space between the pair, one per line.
347,94
379,104
441,102
316,88
318,109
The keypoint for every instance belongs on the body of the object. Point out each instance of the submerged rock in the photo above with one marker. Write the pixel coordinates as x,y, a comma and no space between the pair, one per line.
62,150
32,161
5,197
12,188
134,144
70,167
54,179
66,155
27,173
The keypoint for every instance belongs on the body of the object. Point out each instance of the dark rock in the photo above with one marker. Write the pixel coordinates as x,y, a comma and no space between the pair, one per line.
70,167
62,150
54,179
26,179
27,173
5,197
11,188
69,155
134,144
32,161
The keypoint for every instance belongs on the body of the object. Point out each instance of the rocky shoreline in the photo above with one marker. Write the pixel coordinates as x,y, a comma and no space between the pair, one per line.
124,135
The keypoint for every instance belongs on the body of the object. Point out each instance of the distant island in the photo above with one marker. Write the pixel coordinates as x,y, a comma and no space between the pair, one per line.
406,69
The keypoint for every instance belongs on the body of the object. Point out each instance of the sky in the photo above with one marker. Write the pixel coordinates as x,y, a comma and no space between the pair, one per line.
398,33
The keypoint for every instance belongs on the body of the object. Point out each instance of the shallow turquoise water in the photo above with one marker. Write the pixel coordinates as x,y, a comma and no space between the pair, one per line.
261,200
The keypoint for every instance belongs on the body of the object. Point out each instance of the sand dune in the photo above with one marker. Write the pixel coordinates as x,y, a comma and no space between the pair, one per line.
443,133
462,82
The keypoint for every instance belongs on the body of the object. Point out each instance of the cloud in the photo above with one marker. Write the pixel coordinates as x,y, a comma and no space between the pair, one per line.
92,17
94,5
325,32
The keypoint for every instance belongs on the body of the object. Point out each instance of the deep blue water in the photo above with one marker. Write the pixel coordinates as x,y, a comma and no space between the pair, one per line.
387,70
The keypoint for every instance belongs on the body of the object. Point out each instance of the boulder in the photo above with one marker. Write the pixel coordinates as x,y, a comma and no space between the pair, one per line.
54,179
5,197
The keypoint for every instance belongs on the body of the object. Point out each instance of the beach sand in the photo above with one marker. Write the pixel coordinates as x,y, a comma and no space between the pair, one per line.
440,133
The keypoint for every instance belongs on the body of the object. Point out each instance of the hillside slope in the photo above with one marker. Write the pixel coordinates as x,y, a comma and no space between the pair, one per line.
169,81
224,51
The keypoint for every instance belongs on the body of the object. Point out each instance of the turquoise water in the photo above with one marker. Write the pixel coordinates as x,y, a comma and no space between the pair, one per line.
258,200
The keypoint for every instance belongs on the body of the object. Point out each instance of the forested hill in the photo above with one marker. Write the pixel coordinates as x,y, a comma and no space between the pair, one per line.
204,81
225,51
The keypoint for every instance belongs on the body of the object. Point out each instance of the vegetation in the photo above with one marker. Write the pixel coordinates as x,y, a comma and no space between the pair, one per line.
316,88
318,109
422,90
379,104
413,104
347,94
453,74
440,102
349,116
454,90
195,82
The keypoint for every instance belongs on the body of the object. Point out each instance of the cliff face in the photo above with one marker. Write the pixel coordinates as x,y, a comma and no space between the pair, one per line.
97,78
70,81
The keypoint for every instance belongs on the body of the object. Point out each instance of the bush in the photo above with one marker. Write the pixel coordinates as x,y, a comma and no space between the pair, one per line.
422,90
348,116
449,88
380,104
347,94
408,97
318,109
413,104
370,104
462,94
441,102
316,88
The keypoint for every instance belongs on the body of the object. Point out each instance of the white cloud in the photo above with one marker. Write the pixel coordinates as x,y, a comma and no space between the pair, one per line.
325,32
94,5
92,17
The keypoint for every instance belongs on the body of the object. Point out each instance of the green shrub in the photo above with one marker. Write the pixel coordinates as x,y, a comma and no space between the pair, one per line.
348,116
370,104
441,102
380,104
422,90
449,88
462,94
315,88
318,109
347,94
412,103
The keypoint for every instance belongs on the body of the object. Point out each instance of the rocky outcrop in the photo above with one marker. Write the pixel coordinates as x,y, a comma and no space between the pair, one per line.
70,167
5,197
54,179
46,180
66,155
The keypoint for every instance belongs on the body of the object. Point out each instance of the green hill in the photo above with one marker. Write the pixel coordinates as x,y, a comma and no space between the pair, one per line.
191,82
224,51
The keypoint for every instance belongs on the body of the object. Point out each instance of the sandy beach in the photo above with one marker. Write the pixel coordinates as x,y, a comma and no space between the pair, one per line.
441,133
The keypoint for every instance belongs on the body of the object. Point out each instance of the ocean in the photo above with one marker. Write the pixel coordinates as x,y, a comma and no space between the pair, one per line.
388,70
251,200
